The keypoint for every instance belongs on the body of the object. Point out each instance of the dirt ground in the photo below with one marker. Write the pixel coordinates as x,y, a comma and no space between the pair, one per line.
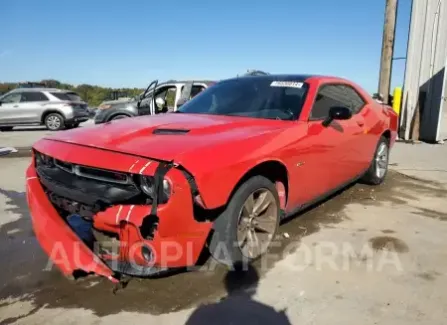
369,255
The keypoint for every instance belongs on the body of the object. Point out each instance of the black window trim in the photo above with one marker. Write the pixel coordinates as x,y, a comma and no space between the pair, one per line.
334,83
197,84
361,97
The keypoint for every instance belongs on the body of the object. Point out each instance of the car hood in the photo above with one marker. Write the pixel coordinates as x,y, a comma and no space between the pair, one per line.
122,104
168,136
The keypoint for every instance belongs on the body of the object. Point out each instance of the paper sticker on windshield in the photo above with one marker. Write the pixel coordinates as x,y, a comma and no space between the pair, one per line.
290,84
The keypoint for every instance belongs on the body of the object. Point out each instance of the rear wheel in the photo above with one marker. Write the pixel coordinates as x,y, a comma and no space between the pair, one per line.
6,128
245,230
378,169
54,122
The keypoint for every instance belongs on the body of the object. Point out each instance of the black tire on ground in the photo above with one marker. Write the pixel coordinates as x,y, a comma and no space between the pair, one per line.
6,128
378,169
224,245
54,122
118,117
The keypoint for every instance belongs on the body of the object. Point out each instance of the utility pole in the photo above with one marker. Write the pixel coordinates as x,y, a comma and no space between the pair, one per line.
386,61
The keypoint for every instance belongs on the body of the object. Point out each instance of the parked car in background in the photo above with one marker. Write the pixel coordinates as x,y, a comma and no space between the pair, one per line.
92,111
220,174
168,96
55,108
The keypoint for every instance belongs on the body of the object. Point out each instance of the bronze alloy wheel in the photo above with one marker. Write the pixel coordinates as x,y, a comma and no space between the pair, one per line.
257,223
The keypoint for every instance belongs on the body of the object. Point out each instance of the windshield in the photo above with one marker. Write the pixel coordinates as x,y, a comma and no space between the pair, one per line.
258,97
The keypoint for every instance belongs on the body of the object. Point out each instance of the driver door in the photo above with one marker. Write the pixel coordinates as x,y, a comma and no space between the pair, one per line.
146,103
326,155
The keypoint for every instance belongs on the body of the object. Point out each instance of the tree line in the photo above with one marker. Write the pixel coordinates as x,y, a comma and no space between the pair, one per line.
91,94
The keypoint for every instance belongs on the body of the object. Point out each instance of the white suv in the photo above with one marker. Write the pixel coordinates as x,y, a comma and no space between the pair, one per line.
55,108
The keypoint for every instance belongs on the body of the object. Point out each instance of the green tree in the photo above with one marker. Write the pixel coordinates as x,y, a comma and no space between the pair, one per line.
91,94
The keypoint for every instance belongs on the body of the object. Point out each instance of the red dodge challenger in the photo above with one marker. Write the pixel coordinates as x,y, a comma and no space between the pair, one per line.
142,195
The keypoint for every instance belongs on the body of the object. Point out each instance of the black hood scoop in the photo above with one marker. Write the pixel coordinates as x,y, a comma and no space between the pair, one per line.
170,131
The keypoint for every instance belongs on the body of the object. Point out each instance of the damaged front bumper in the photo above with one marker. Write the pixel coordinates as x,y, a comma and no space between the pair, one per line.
129,238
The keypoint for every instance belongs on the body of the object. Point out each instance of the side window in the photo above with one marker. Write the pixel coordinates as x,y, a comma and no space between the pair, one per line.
328,96
12,98
34,96
196,89
355,99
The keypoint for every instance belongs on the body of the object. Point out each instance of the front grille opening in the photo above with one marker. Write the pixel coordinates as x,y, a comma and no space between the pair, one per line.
103,175
64,165
67,207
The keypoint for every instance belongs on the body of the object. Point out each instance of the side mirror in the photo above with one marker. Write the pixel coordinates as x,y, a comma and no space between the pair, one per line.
378,97
337,113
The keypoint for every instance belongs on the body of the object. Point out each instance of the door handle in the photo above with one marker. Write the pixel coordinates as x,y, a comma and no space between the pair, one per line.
16,106
360,123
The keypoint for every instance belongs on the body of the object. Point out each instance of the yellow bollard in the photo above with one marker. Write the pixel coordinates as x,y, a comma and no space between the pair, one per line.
397,99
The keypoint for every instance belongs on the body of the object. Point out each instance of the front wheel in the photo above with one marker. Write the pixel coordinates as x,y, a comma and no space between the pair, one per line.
378,169
54,122
245,230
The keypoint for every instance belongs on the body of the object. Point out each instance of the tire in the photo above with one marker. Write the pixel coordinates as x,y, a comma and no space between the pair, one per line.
54,122
118,117
226,244
378,169
6,128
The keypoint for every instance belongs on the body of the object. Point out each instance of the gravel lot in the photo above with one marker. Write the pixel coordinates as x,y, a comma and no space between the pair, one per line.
370,255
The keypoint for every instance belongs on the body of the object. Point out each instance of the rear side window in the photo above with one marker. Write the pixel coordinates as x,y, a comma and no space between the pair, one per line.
74,97
71,96
61,96
33,97
355,99
196,89
328,96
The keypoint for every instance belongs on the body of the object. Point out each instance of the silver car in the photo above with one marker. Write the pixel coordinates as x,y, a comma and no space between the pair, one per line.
55,108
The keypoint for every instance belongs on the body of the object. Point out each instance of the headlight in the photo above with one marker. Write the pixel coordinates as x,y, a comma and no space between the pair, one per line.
105,106
147,184
44,160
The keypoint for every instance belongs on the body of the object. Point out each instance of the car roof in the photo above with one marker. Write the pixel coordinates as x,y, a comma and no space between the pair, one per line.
286,77
53,90
294,77
195,81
